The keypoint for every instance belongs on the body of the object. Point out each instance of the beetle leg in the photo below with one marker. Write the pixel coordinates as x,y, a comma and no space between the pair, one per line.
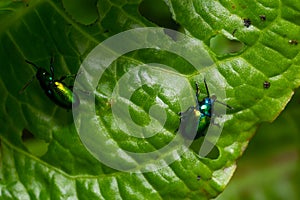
26,85
224,104
69,76
183,114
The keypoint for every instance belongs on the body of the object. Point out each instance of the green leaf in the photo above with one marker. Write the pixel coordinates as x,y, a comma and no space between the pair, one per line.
269,168
84,12
63,168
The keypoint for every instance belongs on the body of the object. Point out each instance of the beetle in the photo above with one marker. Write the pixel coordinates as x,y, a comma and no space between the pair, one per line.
247,22
196,119
266,84
293,42
61,94
263,17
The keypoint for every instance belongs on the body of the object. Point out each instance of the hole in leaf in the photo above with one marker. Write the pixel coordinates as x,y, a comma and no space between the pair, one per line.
214,153
223,46
158,12
196,145
35,146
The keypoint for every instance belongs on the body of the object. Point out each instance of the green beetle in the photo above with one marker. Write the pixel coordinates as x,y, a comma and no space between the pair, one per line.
197,118
61,94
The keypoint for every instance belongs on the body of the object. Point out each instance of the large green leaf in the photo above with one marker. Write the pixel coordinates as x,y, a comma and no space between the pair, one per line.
61,167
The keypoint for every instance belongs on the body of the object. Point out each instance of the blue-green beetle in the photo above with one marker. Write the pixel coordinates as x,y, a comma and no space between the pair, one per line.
56,90
197,118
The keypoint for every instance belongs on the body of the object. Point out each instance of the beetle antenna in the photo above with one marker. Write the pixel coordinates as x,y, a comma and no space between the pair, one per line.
207,92
26,85
31,63
51,66
224,104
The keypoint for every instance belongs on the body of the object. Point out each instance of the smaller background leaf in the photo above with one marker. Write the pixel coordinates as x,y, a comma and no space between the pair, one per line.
269,169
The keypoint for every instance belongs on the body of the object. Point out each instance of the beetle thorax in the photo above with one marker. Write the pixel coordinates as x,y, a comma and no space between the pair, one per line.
44,77
205,106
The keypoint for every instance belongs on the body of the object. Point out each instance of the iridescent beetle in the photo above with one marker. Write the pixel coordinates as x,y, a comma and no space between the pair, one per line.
197,118
56,90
